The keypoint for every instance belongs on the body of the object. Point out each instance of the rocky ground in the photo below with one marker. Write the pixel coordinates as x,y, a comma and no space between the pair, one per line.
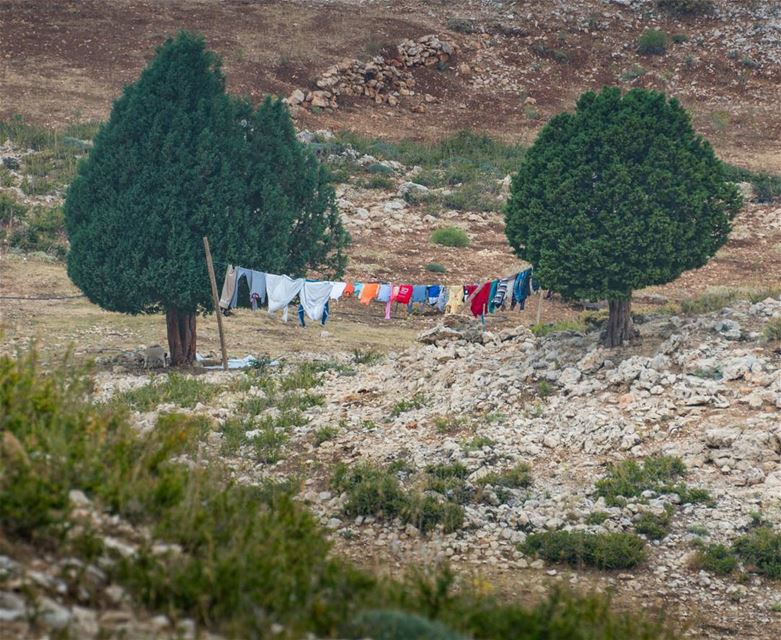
706,389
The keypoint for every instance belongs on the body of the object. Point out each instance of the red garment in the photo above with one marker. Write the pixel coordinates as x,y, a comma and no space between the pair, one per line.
405,293
480,301
469,289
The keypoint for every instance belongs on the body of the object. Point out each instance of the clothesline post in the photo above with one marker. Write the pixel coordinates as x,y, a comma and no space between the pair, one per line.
213,281
539,308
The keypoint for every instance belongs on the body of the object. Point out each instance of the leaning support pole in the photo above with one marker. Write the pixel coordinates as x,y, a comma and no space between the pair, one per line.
539,308
213,280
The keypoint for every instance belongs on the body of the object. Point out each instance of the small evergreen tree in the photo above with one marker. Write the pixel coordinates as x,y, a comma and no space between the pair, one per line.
177,160
620,195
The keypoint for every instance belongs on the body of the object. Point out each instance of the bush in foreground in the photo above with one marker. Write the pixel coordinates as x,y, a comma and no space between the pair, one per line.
250,556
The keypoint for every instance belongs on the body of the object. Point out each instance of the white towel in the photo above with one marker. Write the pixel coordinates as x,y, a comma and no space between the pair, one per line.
281,290
313,297
338,290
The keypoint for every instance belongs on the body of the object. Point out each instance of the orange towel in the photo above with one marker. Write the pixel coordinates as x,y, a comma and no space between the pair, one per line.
369,292
348,290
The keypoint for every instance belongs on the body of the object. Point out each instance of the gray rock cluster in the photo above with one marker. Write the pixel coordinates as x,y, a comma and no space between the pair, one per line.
384,80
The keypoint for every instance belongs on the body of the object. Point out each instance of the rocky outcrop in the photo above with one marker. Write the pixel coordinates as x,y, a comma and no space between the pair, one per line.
384,80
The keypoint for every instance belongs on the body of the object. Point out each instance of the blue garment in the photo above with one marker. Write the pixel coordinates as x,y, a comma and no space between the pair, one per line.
357,289
433,291
492,295
384,294
419,293
301,314
522,289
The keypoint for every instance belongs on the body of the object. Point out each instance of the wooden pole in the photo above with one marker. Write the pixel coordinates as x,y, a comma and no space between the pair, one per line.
213,280
539,308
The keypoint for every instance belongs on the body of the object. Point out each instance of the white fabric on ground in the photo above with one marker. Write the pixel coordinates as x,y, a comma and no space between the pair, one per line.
314,296
281,290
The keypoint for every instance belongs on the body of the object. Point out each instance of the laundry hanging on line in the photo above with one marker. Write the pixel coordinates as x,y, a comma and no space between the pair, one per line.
314,296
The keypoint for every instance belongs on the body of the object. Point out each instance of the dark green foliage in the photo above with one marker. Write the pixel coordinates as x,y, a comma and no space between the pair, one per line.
435,267
628,479
767,187
372,490
653,42
761,550
41,229
577,548
402,406
398,625
10,210
597,517
655,526
686,7
235,540
620,195
174,388
450,237
514,478
715,558
177,160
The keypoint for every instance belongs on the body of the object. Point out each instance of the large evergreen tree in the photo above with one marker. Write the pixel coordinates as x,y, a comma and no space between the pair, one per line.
620,195
179,159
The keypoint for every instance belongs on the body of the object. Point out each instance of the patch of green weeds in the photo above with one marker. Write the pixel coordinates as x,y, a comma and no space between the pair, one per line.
450,237
772,330
596,517
477,443
628,479
542,330
699,530
760,549
450,423
714,558
655,526
652,42
578,548
435,267
174,388
418,401
516,477
544,388
367,356
372,490
324,434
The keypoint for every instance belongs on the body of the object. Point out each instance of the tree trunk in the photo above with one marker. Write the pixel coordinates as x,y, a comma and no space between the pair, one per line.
619,323
181,337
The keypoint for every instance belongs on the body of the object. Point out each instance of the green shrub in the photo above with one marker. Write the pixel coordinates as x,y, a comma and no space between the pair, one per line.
435,267
324,434
418,401
544,388
372,490
597,517
637,71
233,540
306,376
628,479
472,196
378,181
42,229
767,187
367,356
542,330
679,38
686,7
10,210
772,330
578,548
761,550
715,558
450,237
173,388
653,42
397,625
516,477
478,442
655,526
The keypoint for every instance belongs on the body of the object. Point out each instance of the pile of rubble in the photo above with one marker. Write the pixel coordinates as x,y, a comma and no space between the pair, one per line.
384,80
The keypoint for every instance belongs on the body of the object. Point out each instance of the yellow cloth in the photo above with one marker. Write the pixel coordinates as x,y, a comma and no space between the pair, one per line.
369,292
455,299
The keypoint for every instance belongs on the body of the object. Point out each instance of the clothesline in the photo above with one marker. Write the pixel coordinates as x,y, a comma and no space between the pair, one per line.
277,292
